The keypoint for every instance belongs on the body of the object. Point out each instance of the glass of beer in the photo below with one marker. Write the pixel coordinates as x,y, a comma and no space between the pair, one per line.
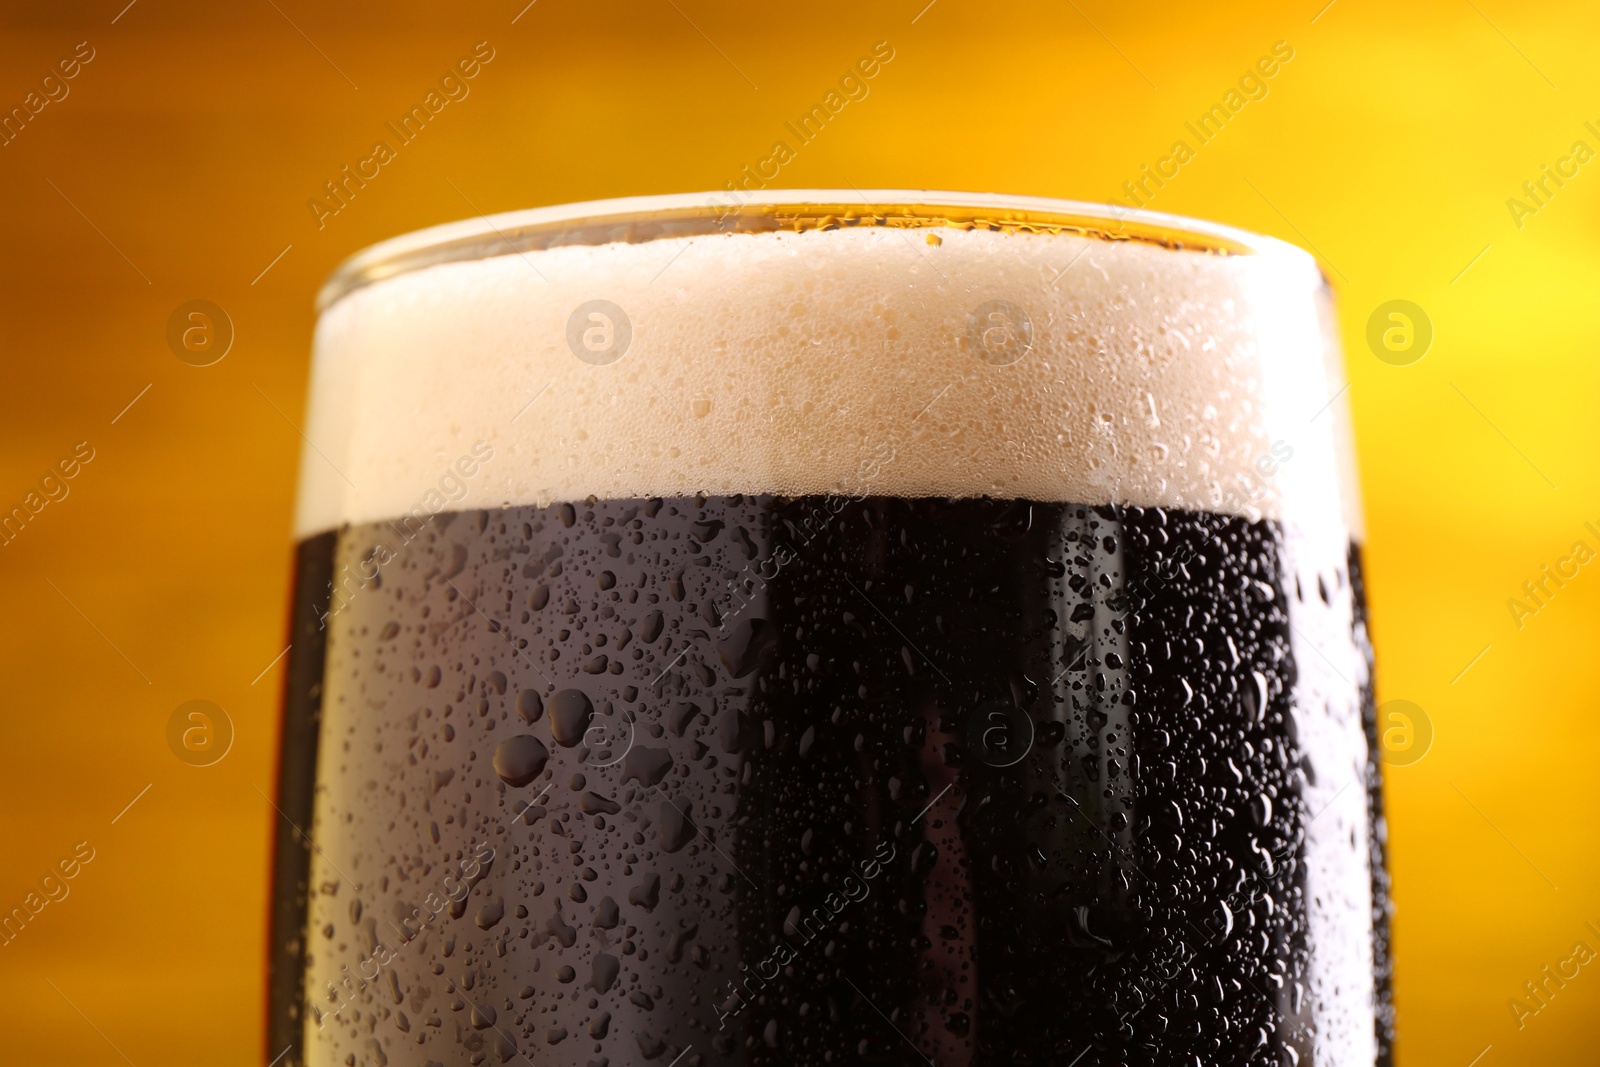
805,630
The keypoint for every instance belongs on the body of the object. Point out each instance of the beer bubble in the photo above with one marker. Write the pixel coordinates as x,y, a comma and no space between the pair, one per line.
199,733
1399,332
1405,733
199,332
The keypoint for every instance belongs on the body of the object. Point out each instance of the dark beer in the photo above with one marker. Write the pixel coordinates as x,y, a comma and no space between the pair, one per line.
823,778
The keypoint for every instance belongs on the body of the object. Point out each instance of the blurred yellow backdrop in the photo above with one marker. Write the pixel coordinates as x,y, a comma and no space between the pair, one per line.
178,165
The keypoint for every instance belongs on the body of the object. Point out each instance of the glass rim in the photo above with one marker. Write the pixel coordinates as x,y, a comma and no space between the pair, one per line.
637,219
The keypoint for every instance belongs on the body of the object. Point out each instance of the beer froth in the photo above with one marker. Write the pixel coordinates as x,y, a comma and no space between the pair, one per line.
987,361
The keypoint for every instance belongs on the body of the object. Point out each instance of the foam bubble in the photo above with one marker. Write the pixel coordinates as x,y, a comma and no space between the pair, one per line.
939,360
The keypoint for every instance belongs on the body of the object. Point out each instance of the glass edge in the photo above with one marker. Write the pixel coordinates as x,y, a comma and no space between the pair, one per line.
646,218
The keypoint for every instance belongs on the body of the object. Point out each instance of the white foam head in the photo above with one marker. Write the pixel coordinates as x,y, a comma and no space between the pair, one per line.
927,345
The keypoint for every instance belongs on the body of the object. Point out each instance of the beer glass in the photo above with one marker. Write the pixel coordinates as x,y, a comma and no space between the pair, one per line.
823,628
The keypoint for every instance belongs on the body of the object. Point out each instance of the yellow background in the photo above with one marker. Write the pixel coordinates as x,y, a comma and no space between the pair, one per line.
181,165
